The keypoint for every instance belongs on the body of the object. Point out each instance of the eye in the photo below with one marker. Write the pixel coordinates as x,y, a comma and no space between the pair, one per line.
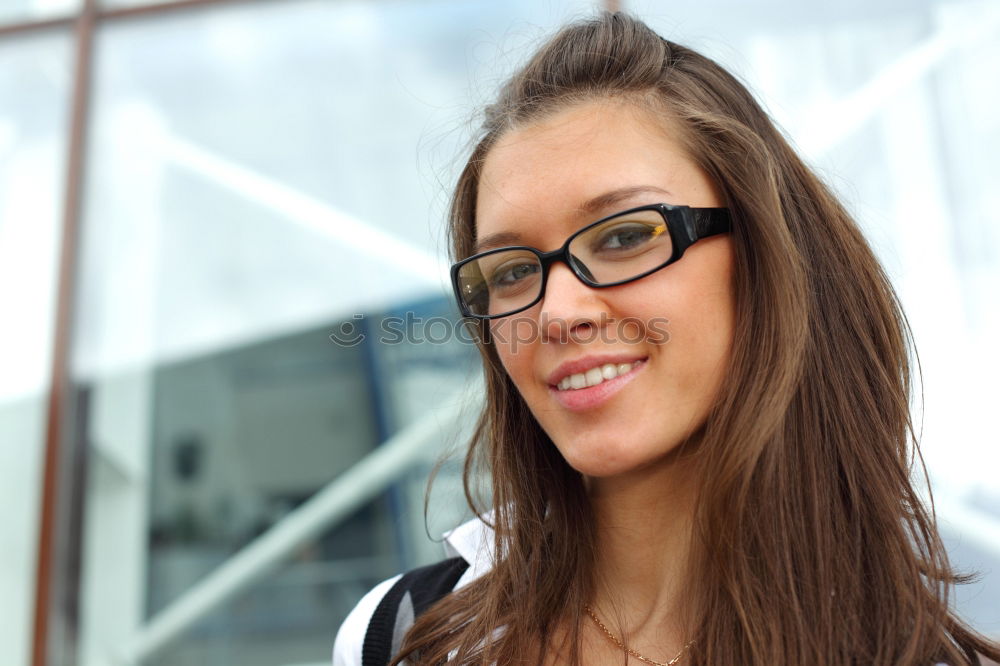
625,236
512,273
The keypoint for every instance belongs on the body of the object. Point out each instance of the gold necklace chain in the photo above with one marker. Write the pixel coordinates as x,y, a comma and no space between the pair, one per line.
627,649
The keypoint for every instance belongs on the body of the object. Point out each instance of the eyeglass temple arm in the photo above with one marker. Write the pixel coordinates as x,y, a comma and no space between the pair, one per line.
710,221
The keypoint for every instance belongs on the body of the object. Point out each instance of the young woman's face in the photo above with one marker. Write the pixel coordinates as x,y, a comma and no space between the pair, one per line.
663,340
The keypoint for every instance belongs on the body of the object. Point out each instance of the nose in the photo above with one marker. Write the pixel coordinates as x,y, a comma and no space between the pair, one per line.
569,307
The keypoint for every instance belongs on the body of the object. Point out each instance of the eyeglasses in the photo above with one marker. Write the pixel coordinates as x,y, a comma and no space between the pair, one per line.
612,251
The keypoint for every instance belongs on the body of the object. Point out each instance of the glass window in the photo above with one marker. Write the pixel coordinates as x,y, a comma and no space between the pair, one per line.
259,175
264,176
16,11
34,98
891,104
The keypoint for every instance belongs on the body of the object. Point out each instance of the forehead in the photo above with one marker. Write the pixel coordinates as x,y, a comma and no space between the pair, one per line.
551,169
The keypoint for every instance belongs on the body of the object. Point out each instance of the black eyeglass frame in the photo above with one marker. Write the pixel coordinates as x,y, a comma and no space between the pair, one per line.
686,226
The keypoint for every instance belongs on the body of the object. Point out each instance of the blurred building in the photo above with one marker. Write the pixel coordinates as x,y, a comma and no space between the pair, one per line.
228,358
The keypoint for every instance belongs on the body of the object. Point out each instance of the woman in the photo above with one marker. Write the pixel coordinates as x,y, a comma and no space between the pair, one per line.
697,415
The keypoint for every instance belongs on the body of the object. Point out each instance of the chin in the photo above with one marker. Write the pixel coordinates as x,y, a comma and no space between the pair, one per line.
605,456
601,461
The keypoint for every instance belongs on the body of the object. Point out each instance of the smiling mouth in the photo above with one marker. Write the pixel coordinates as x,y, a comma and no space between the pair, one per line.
596,375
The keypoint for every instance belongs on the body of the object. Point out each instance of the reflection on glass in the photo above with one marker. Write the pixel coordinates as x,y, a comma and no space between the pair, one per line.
119,4
258,175
18,11
34,91
894,108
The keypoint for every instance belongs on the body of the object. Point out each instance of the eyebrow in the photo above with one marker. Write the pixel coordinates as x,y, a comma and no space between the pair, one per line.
589,207
608,199
501,239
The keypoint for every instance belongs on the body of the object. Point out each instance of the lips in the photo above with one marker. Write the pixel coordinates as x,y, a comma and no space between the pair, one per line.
592,365
588,382
594,376
582,385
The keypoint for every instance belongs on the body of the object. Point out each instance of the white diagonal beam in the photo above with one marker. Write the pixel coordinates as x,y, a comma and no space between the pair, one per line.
304,210
839,120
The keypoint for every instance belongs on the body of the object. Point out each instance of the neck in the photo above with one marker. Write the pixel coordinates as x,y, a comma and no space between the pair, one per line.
644,524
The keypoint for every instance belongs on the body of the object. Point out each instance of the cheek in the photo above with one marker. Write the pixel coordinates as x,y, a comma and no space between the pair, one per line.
700,354
699,304
703,339
515,339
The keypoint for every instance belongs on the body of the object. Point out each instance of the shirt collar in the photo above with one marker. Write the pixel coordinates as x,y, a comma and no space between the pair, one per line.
473,542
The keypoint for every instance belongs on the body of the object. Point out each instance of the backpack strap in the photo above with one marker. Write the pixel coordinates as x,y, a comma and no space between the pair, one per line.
413,593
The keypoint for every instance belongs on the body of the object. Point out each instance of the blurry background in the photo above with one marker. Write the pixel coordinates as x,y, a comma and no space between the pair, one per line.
195,195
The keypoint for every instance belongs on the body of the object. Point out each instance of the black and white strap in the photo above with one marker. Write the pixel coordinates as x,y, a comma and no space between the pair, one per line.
413,593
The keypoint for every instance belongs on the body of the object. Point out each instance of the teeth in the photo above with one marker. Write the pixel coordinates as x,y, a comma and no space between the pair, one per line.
595,376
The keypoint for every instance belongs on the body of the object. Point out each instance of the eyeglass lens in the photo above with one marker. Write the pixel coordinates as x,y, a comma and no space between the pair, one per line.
617,249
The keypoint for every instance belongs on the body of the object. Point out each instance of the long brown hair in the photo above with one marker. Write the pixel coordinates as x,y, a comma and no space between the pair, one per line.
811,543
